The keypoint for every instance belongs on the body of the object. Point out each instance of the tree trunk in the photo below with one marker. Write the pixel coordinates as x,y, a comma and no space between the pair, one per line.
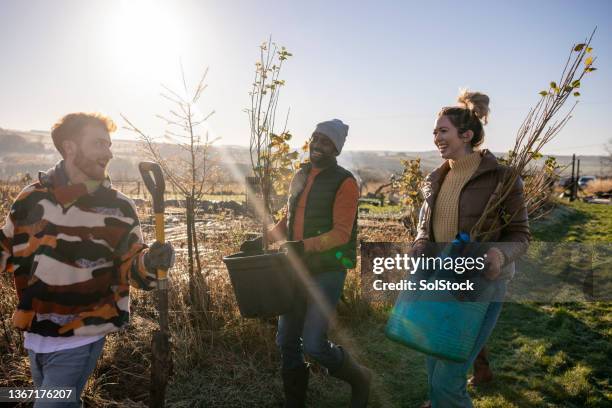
189,214
265,193
201,287
195,244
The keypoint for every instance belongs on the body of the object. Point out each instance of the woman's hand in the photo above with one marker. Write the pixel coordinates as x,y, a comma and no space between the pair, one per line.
494,262
418,248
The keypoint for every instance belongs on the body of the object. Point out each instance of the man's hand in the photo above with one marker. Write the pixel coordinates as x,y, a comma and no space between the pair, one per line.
293,248
22,319
494,263
159,256
252,245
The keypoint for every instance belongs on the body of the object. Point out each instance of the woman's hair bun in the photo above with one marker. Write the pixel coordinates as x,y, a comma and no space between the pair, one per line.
476,102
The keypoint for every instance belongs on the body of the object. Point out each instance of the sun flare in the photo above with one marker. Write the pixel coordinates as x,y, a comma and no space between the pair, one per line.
146,38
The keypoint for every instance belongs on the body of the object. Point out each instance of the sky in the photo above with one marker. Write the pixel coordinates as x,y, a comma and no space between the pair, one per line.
383,67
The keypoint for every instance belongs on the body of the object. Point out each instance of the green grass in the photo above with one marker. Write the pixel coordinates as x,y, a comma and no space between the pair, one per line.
543,355
576,222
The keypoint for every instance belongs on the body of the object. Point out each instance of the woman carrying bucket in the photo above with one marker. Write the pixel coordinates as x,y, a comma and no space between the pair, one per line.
456,194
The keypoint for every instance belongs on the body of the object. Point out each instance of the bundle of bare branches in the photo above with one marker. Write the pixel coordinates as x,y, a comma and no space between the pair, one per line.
539,187
542,124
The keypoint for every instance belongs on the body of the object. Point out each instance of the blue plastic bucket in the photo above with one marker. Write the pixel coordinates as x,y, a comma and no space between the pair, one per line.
437,323
444,329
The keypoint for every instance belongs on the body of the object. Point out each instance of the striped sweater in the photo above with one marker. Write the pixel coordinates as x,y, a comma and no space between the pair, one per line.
73,253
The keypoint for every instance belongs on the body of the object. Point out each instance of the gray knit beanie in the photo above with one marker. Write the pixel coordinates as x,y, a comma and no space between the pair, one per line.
335,130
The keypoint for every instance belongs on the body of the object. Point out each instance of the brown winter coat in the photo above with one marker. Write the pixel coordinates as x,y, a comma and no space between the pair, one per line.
513,239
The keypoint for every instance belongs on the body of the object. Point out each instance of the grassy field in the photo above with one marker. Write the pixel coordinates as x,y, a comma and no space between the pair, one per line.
543,355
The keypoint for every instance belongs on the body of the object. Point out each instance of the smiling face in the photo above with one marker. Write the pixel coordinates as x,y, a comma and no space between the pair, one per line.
322,150
91,153
451,144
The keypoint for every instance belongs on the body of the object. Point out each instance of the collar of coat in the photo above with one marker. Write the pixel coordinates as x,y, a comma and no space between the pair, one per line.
56,180
299,181
307,166
433,181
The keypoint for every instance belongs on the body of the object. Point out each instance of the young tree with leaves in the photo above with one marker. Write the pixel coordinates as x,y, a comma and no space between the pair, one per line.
268,148
409,184
543,122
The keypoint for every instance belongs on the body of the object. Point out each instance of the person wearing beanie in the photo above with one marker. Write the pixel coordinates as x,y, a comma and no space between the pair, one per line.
335,130
320,229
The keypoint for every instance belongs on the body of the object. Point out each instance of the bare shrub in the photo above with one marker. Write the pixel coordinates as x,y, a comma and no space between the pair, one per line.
191,172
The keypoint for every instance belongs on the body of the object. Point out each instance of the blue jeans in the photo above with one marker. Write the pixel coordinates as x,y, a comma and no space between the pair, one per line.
304,328
64,368
447,380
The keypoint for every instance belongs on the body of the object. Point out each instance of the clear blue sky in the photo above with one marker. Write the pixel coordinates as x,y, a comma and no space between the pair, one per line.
383,67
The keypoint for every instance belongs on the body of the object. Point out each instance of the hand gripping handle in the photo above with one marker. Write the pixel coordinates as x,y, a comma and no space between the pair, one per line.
153,178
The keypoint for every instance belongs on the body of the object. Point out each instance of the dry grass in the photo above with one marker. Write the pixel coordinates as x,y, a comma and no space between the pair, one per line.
220,359
598,186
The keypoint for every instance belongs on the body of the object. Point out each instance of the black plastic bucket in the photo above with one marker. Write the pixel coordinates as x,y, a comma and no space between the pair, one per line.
264,283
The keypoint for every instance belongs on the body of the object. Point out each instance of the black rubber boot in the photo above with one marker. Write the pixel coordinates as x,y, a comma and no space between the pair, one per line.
358,376
295,384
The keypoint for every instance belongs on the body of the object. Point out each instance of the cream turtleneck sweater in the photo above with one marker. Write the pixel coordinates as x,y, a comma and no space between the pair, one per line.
446,209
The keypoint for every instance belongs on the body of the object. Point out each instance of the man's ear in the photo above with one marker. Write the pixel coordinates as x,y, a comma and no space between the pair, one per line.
467,135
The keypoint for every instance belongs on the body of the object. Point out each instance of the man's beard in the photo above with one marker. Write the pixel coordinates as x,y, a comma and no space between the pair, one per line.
89,167
323,161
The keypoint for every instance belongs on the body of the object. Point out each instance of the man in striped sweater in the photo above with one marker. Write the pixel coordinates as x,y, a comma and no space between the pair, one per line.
74,246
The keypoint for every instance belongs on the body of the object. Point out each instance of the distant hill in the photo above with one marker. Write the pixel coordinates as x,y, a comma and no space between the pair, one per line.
14,142
30,151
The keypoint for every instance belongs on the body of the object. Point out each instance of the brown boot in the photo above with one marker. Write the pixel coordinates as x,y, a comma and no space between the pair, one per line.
358,376
482,371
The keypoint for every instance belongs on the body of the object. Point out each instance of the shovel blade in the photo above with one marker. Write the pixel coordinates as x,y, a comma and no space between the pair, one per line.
161,368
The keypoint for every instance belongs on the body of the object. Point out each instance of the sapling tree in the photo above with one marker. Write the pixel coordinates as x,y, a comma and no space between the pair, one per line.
543,122
268,148
191,172
285,162
408,185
